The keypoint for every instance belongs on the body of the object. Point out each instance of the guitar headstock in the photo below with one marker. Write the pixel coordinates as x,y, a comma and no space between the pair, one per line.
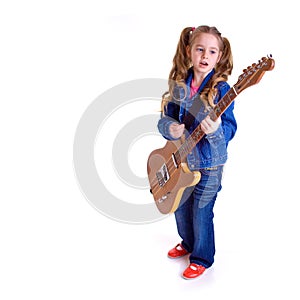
253,74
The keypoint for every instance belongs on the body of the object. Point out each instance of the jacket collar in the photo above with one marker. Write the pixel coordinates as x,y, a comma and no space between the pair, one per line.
204,82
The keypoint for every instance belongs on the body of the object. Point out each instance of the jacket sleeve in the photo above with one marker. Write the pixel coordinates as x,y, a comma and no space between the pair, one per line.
169,116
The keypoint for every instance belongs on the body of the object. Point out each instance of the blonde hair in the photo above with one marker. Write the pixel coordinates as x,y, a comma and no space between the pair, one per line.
182,62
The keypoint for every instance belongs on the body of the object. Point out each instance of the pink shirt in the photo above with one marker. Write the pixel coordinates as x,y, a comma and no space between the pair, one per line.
194,89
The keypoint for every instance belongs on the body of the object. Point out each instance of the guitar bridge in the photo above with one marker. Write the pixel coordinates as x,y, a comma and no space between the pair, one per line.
162,175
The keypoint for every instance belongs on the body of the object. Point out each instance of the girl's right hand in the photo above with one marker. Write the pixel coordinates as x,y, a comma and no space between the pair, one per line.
176,130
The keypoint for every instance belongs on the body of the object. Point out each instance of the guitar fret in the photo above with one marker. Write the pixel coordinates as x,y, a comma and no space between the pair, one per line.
197,134
233,88
191,144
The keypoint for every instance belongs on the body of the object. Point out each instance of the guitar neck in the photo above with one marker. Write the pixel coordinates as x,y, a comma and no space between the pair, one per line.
198,133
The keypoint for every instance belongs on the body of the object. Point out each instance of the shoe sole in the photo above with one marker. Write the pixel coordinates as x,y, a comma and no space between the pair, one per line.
190,278
172,257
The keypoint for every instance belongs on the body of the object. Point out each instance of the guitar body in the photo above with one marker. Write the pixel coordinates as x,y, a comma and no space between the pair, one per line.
167,179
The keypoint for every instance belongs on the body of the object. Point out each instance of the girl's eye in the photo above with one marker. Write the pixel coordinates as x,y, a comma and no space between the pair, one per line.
199,49
212,52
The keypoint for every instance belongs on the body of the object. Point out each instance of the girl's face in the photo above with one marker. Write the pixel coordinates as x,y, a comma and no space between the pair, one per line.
204,54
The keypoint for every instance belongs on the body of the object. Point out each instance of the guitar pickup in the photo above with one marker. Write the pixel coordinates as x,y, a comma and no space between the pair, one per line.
162,175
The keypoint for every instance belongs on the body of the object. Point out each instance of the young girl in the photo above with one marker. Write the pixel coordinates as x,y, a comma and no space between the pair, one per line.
201,66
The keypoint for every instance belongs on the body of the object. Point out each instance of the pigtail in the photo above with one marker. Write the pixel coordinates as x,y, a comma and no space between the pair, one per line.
222,70
225,65
181,61
165,99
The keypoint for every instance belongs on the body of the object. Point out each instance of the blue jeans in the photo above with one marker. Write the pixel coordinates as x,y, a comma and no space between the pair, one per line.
194,217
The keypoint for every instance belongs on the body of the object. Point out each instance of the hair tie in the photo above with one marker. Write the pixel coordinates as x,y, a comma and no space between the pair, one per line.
192,29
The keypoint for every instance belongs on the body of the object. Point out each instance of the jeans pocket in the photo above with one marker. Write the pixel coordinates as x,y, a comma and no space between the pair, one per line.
209,185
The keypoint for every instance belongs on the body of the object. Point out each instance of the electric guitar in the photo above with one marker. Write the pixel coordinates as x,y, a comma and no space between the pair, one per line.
167,169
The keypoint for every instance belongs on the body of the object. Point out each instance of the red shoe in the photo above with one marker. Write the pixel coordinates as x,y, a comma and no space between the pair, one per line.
177,251
193,271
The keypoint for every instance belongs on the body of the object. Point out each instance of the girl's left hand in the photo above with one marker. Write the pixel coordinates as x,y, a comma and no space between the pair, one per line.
209,126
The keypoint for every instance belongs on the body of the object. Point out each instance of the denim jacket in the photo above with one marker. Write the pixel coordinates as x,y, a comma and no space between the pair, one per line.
211,150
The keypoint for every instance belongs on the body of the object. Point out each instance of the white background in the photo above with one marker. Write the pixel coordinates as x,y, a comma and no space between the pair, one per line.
56,58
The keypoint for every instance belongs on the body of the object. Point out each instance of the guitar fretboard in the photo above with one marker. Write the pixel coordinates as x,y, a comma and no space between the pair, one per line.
198,134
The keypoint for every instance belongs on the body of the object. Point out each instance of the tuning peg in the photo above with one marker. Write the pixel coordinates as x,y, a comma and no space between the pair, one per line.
269,56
